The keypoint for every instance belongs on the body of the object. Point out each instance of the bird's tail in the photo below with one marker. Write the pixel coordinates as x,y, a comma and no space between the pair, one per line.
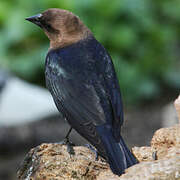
119,156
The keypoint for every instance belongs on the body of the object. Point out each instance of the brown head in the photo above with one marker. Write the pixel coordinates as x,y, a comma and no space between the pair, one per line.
61,26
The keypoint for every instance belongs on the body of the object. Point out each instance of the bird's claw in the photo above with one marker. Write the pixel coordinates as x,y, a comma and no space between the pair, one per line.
69,145
63,142
154,155
89,146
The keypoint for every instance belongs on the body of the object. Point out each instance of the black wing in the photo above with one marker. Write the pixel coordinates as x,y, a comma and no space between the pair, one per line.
105,67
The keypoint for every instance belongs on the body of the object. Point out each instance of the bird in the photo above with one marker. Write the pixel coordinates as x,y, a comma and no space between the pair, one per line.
81,78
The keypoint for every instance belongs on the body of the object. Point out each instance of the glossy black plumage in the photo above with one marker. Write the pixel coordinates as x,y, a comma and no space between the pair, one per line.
82,81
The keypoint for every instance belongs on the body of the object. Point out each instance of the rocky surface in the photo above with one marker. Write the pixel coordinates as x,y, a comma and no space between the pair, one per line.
166,138
52,162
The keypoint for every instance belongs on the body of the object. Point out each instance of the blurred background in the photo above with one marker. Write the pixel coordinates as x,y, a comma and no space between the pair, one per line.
143,38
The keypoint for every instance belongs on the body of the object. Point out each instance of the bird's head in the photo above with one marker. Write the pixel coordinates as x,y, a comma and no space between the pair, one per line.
61,26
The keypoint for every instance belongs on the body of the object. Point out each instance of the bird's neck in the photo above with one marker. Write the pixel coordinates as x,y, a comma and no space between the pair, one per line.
65,39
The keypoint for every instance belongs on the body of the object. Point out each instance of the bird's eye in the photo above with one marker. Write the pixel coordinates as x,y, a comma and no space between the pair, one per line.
49,28
46,25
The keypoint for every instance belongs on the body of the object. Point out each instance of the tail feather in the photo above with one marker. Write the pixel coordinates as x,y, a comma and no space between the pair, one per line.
119,156
131,160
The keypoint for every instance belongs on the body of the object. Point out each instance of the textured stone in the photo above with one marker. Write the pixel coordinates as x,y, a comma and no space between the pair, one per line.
52,161
168,169
166,137
143,153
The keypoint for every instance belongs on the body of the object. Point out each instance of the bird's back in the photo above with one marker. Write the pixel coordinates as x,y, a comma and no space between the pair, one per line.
74,82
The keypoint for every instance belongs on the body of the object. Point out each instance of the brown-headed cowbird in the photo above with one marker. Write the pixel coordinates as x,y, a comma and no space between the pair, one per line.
81,78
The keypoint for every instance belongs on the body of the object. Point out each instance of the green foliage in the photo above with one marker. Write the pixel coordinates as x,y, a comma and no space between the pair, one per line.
142,37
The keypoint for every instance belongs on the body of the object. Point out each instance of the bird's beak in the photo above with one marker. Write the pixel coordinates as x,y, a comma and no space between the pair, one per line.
36,19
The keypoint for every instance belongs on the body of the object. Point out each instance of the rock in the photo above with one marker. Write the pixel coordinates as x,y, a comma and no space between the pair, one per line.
143,153
22,102
166,137
165,169
51,161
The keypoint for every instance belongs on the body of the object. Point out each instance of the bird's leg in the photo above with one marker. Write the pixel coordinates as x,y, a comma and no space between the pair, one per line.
89,146
66,139
68,143
154,155
67,136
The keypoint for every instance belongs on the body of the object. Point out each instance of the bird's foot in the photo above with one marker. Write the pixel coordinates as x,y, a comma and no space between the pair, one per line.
154,155
89,146
69,145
